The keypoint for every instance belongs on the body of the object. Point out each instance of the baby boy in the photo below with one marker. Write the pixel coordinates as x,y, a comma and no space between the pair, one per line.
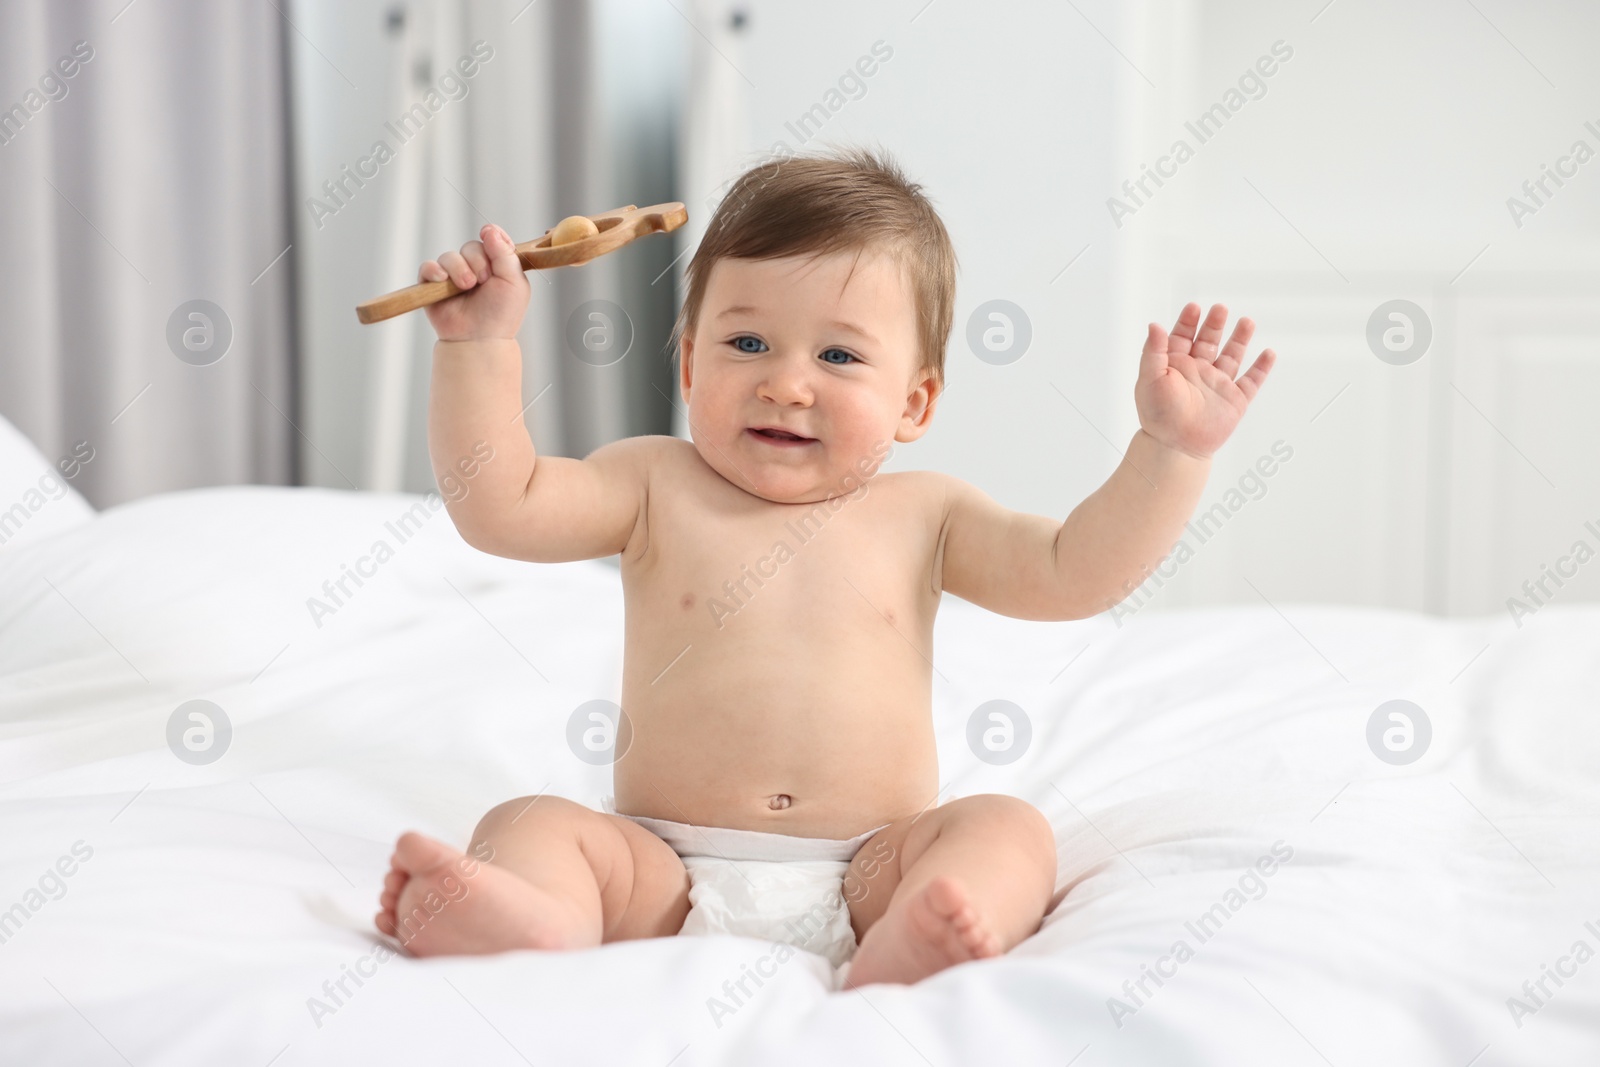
777,774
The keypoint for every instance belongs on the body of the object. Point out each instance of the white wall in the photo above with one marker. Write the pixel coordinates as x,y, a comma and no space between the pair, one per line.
1378,166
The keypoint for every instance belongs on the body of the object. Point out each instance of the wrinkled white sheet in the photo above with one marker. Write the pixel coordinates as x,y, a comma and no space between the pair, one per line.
1171,754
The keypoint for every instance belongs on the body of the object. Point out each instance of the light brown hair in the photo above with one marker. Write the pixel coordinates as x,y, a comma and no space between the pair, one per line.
849,200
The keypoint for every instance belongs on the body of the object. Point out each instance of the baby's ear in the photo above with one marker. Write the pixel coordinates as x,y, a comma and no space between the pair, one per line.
685,364
920,404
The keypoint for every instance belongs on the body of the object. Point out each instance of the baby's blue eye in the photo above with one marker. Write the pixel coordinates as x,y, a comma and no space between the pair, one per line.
839,351
739,343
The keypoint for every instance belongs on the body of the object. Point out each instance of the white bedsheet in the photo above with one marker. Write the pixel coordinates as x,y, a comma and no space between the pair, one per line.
1171,754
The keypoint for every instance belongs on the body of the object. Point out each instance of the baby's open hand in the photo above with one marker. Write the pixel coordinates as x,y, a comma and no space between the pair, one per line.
496,289
1186,394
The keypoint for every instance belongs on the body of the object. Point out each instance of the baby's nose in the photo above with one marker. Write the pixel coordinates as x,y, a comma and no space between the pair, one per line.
786,385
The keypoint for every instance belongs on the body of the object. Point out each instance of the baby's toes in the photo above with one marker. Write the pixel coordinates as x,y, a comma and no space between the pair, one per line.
980,941
948,899
415,852
967,923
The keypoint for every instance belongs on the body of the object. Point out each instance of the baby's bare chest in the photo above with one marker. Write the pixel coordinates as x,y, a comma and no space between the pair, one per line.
746,570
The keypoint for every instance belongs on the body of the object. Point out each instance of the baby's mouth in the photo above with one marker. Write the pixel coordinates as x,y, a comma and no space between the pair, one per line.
779,438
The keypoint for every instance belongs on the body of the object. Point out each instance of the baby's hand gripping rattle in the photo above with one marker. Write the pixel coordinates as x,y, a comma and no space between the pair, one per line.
574,240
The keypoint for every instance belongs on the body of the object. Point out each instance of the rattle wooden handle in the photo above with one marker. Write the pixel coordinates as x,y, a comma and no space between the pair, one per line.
617,227
403,300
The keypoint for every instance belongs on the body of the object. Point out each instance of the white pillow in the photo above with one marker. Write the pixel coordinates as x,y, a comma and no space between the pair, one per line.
35,497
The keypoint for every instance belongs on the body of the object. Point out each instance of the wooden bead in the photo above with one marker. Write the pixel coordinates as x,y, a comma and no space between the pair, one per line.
573,228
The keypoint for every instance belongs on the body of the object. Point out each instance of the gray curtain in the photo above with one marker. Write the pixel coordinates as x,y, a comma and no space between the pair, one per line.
147,280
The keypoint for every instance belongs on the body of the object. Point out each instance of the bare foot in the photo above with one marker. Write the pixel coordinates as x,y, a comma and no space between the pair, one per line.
436,908
924,934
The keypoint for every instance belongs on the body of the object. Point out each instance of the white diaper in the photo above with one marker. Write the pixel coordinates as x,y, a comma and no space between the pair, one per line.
769,886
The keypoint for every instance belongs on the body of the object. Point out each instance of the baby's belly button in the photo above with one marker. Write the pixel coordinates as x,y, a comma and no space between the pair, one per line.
779,801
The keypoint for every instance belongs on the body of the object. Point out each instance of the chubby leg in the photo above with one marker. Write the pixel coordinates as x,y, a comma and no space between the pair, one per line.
540,873
962,881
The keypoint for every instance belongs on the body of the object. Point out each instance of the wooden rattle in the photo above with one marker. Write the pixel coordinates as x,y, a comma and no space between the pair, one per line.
570,242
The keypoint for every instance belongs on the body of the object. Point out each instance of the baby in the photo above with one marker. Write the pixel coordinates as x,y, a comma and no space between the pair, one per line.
777,774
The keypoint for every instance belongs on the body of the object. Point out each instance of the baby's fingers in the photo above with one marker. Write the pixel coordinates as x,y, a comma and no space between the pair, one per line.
502,252
477,260
430,271
455,264
1153,359
1234,351
1251,381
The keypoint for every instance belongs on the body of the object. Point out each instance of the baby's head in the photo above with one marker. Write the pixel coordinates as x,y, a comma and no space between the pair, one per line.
819,302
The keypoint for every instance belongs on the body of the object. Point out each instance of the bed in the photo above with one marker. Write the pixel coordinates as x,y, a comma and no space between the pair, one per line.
172,898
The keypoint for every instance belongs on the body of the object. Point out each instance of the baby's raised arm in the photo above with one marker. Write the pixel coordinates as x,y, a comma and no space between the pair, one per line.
1030,567
548,509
